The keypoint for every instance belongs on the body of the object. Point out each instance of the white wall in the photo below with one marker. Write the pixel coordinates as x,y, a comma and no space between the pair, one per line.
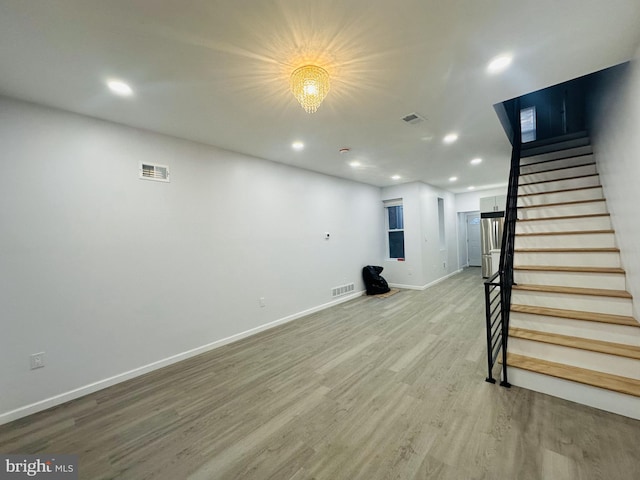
424,262
616,144
107,273
436,262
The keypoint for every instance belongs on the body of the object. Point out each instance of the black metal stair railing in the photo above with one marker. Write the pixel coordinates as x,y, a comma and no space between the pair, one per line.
493,308
498,287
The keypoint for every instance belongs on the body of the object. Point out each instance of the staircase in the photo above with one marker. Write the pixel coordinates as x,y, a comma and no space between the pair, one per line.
571,334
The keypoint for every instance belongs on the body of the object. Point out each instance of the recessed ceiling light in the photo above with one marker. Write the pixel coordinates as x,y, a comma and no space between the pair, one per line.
471,188
453,179
396,177
119,88
499,63
297,145
450,138
476,161
355,163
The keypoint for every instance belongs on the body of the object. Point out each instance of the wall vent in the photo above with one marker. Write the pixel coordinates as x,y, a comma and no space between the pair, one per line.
158,173
413,118
342,290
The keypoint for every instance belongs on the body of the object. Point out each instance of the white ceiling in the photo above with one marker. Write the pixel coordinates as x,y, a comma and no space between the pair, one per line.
217,72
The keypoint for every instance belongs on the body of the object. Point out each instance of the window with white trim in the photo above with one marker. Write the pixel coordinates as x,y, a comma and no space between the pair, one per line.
394,215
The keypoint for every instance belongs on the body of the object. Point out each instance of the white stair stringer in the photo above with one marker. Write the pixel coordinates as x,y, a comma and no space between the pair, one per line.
573,335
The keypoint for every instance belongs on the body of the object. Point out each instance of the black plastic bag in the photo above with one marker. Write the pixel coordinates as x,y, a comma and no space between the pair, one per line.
373,281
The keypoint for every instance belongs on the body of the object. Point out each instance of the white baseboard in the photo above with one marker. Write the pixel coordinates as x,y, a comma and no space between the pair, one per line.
30,409
424,287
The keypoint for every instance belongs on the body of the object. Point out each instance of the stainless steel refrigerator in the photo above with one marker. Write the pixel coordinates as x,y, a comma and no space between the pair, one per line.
491,227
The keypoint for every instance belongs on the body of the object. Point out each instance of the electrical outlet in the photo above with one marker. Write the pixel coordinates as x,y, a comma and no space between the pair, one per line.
262,302
37,360
444,265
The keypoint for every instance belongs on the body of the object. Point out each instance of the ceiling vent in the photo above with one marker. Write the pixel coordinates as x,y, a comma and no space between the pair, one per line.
149,171
413,118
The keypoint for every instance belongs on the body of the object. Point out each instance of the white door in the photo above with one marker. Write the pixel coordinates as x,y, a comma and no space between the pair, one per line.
473,239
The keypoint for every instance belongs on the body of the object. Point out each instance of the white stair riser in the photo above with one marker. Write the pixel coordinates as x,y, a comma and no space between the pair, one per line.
568,259
606,332
559,197
571,279
588,240
581,150
565,224
591,181
601,362
558,174
589,208
606,400
583,303
561,163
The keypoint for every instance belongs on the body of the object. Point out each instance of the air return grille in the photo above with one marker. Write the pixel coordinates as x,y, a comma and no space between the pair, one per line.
413,118
342,290
149,171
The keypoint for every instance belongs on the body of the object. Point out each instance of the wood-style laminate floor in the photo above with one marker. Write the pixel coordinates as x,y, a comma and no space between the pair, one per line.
371,389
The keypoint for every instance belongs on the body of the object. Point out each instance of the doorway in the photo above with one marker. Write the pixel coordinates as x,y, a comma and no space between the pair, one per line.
474,253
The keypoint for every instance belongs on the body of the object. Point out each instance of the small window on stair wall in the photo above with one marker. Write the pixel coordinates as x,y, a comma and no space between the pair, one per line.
528,124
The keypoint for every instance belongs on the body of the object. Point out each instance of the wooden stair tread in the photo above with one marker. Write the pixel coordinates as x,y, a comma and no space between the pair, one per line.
576,315
600,346
559,204
559,179
599,292
564,217
556,169
607,381
562,190
566,232
568,250
553,268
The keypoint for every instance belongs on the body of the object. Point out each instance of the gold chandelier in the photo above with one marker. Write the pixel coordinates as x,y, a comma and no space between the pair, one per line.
310,85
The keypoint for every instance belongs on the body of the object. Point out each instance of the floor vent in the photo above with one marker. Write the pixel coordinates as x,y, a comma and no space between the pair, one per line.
342,290
159,173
